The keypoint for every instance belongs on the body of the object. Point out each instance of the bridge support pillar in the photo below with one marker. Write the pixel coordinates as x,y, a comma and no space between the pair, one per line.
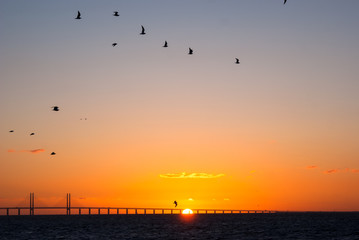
68,204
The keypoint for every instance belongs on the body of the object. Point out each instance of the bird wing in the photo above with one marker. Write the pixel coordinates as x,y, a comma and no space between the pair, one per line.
78,14
143,29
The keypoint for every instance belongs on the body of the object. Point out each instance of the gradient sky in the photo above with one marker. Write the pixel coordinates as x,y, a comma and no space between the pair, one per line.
278,131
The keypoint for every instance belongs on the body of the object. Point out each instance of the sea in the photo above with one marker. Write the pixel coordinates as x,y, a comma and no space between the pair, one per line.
318,225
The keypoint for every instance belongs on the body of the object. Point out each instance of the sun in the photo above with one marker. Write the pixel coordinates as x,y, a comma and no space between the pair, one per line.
187,211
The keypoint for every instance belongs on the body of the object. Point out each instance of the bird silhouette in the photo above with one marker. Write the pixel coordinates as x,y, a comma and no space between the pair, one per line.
175,203
78,15
166,45
114,44
115,14
55,108
31,134
237,61
143,30
53,153
190,51
11,131
285,1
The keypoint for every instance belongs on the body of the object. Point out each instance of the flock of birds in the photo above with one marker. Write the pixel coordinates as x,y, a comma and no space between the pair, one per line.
143,32
54,108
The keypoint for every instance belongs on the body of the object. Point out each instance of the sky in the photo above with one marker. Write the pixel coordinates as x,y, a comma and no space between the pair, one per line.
141,125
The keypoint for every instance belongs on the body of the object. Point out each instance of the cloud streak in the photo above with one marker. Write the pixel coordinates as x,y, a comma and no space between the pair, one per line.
191,175
335,170
34,151
312,167
347,170
331,171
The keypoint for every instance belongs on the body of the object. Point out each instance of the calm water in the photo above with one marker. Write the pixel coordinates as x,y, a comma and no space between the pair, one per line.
244,226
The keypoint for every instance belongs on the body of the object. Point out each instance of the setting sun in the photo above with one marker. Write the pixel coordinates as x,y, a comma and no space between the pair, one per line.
187,211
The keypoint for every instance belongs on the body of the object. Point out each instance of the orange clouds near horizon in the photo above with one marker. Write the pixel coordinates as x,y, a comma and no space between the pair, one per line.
191,175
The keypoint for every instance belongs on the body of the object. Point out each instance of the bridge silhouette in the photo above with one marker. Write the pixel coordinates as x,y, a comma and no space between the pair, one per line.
85,210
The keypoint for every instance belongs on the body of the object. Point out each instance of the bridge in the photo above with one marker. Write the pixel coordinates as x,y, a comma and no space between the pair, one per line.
70,210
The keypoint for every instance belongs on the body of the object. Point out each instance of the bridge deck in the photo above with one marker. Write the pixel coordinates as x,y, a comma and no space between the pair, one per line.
122,210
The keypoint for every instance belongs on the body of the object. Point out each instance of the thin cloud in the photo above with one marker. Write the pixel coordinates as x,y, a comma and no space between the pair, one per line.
34,151
11,150
346,170
311,167
191,175
331,171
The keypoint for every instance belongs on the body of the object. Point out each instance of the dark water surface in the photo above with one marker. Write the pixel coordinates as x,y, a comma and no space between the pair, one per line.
237,226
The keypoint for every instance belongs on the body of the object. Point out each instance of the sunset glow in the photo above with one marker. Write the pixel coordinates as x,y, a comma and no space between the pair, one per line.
187,211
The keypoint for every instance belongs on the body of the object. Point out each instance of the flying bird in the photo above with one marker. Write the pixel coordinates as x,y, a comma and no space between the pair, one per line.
166,45
53,153
114,44
115,14
31,134
78,15
175,203
11,131
55,108
285,1
143,30
237,61
190,51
